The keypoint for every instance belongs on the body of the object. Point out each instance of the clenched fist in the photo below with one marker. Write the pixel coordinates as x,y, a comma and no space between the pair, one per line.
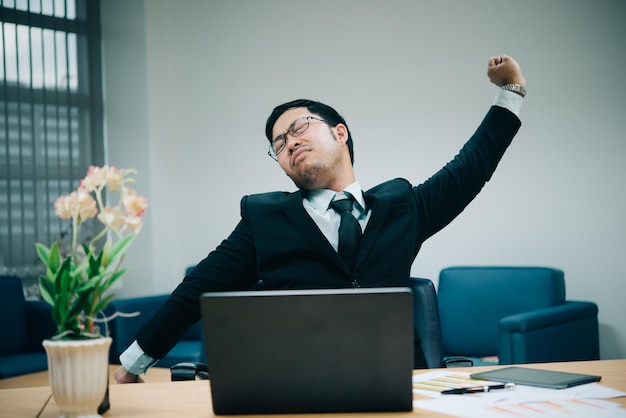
505,70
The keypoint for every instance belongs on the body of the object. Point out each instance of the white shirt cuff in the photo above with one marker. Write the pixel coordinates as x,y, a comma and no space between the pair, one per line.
509,100
135,360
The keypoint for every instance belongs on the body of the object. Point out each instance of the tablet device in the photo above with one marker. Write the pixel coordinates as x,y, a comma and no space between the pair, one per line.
536,377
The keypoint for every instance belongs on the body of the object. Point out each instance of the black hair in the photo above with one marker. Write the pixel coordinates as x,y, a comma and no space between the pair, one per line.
330,115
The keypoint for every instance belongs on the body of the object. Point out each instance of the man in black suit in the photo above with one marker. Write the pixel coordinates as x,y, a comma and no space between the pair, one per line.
291,240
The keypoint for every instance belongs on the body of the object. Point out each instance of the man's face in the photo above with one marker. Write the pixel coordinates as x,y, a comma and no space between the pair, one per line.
314,158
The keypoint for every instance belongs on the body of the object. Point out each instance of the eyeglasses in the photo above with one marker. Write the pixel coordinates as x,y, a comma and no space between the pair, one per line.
296,129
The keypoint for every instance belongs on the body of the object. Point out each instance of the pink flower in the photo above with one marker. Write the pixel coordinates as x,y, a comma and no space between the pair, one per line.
77,205
62,207
88,261
133,223
114,179
112,217
98,177
134,204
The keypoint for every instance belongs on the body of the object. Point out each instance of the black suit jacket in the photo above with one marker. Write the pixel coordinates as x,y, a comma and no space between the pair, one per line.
277,242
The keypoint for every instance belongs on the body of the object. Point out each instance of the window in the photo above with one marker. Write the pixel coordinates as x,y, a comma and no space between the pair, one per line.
50,119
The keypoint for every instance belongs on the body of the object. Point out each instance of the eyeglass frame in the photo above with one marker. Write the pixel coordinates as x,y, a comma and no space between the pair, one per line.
272,153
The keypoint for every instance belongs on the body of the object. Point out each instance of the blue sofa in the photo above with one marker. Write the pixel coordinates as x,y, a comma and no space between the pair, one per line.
28,323
25,325
513,315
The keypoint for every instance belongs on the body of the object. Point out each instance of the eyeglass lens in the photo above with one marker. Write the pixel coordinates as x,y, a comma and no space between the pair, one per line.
297,128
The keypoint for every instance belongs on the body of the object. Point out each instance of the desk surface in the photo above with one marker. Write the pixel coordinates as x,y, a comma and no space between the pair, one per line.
161,398
156,374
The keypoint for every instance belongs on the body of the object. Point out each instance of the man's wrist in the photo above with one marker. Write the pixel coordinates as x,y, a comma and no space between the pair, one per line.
135,361
515,88
509,100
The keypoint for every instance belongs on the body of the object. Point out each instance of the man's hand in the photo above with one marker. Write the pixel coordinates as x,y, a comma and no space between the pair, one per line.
505,70
123,376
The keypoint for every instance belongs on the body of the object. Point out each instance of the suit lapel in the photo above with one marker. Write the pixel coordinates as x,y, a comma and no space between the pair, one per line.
301,221
379,208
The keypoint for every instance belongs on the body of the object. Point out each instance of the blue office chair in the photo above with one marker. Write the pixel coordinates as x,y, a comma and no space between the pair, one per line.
428,327
514,315
426,323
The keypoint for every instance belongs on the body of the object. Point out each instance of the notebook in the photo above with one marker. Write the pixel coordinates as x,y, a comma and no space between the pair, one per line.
309,351
536,377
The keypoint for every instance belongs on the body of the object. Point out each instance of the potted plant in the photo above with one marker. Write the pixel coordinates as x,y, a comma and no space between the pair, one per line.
77,280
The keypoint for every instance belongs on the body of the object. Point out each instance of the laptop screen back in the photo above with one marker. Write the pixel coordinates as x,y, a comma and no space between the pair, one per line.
304,351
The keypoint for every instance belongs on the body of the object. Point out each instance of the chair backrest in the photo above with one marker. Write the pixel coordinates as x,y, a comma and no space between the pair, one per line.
426,322
472,300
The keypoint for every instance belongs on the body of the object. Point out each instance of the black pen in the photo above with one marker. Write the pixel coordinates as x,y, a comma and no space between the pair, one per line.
478,389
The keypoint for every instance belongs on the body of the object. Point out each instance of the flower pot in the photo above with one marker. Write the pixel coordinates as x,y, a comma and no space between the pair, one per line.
78,373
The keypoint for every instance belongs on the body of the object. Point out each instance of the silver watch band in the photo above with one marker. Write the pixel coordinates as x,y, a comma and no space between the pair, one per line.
515,88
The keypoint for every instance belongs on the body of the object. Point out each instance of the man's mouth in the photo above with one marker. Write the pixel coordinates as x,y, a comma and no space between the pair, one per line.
298,155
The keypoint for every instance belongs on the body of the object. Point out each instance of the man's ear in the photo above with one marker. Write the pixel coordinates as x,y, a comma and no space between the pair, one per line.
342,132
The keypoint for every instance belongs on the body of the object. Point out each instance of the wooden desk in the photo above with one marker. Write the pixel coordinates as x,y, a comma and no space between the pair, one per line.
167,399
27,395
156,374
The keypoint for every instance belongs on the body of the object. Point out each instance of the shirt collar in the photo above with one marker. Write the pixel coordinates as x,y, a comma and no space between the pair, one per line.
320,199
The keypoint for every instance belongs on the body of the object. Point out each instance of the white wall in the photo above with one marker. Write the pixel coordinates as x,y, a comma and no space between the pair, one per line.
189,85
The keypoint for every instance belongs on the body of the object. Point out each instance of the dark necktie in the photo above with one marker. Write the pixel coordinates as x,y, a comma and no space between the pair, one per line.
349,230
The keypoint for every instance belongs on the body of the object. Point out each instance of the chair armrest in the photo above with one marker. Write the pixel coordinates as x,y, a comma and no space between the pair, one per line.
565,332
458,361
189,371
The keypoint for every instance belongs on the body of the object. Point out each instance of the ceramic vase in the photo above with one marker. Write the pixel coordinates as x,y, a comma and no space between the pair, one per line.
78,373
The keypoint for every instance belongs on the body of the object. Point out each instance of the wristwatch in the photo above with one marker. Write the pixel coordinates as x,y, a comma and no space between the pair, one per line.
515,88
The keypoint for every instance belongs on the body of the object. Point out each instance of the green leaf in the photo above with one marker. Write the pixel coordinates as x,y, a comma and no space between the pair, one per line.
90,263
104,302
46,286
105,254
79,305
57,316
54,257
89,284
71,324
82,267
114,277
99,260
94,266
43,252
62,281
120,247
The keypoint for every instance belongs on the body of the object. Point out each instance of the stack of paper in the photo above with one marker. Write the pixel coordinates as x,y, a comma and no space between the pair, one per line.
587,400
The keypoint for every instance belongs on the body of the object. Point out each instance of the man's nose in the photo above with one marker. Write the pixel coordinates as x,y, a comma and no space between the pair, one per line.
292,143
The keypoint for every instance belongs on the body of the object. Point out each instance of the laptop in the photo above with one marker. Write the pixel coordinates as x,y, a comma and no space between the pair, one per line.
309,351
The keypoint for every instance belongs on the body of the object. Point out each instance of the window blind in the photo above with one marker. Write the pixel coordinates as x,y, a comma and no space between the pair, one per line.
50,119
